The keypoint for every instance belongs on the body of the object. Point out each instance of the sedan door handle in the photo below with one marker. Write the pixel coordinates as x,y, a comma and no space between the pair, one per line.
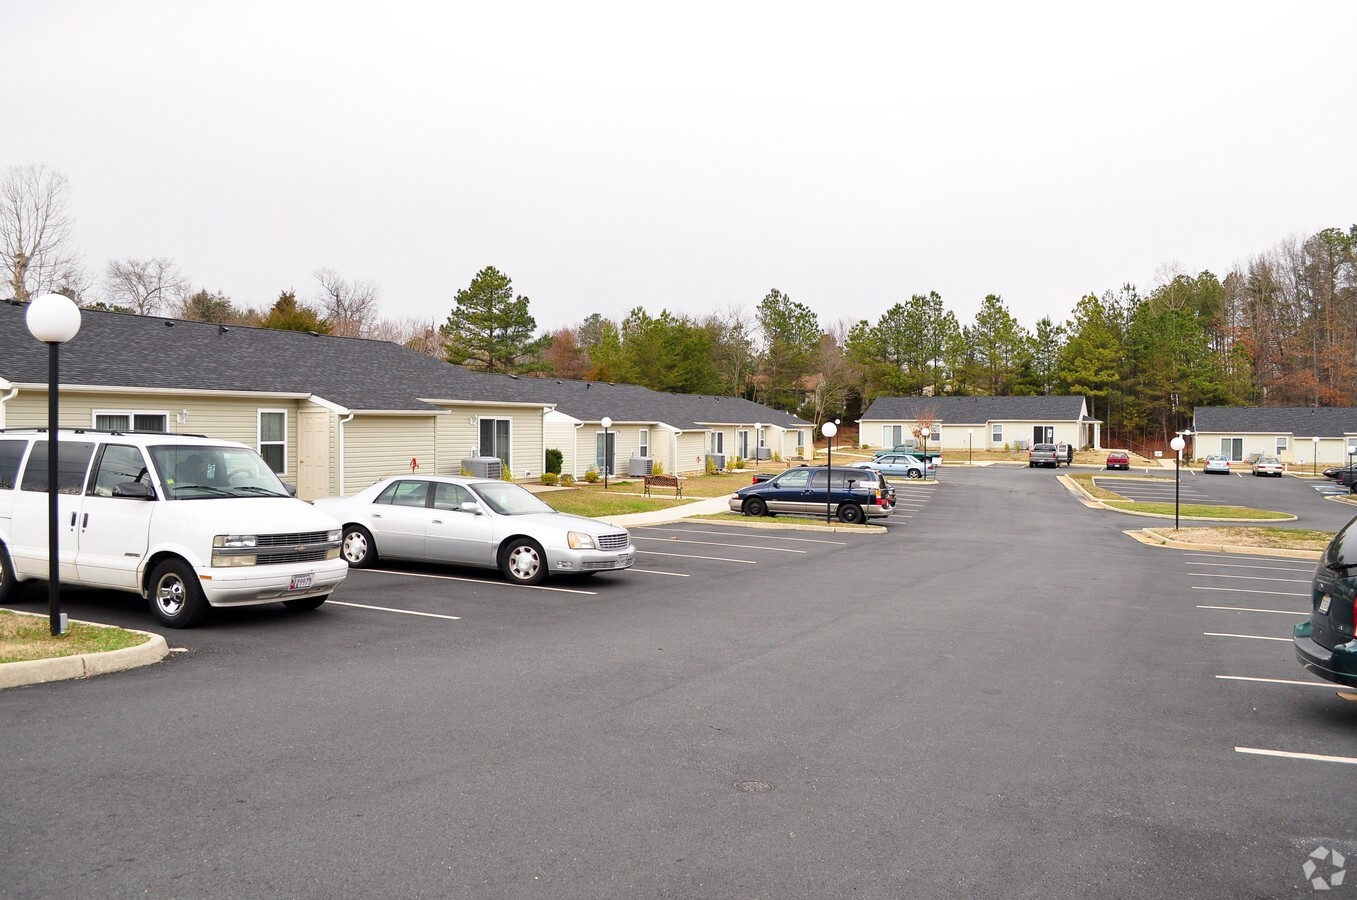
437,521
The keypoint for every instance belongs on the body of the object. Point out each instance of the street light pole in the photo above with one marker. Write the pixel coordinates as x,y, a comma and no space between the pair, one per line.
829,429
54,320
1177,444
606,423
969,433
1314,469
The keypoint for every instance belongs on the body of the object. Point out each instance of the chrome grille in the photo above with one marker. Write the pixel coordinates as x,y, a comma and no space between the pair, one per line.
616,541
292,540
291,556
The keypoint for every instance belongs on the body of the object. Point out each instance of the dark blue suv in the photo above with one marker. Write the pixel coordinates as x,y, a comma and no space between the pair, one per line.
1326,645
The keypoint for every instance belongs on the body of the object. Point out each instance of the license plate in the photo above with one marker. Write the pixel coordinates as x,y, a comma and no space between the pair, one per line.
300,582
1324,603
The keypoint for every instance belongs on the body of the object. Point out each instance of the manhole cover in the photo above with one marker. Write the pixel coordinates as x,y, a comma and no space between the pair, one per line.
753,787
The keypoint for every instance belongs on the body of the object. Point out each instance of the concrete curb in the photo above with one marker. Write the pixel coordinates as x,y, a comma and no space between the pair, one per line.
85,665
1145,536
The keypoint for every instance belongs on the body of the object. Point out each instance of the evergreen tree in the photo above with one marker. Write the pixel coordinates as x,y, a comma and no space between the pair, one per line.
490,329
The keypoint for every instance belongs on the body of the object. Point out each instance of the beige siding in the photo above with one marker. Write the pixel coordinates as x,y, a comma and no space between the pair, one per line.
227,418
459,437
378,446
691,453
1300,451
559,434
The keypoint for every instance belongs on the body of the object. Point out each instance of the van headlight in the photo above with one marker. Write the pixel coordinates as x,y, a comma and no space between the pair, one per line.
226,560
227,550
578,540
238,541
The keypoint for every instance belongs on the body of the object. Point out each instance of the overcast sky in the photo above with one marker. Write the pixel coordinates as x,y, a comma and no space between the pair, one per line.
688,156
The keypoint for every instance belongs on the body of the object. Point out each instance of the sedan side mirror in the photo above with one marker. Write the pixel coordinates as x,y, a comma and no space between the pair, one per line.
471,506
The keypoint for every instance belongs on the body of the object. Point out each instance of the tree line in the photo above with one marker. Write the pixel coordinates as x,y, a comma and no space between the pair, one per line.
1279,330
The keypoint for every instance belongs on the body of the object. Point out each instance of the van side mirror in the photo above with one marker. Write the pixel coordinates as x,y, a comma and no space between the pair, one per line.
134,490
291,489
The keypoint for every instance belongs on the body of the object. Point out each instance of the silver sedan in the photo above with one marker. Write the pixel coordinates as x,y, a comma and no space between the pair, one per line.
474,522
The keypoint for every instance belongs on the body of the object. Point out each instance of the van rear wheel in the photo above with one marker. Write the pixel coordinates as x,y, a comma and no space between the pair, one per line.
176,595
850,514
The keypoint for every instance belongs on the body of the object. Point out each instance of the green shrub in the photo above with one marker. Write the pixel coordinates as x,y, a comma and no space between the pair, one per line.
554,460
738,463
591,476
656,467
711,466
550,478
466,473
506,474
776,457
568,480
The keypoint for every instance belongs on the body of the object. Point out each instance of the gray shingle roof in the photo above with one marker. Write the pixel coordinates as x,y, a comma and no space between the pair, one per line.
123,350
977,410
1301,421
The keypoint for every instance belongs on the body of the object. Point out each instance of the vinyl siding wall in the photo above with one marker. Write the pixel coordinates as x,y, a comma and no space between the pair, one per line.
459,436
378,446
1300,451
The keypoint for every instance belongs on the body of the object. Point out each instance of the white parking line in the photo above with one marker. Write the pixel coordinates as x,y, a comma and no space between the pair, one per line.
655,572
743,562
1251,577
534,587
1281,612
770,537
1197,587
1271,559
1287,754
1252,637
1261,568
404,612
672,540
1318,684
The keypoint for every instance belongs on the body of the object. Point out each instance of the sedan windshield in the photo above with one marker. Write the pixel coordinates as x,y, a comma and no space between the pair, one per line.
202,473
509,499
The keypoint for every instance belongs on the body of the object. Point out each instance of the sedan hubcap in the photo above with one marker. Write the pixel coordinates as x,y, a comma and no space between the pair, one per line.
524,562
355,547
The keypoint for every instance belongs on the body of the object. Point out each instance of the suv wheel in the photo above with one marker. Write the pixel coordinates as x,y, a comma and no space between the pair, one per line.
755,507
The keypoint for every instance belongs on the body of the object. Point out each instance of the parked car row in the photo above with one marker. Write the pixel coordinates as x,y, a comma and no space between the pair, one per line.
192,523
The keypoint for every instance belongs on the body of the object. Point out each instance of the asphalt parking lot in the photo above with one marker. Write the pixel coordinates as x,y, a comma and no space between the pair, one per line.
1001,695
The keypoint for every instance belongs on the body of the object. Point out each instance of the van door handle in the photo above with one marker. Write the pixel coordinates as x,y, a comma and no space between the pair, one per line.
85,522
72,520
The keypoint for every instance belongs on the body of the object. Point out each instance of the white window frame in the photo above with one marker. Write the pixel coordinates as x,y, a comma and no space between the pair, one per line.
1283,445
935,435
996,433
643,444
480,421
131,417
260,443
892,435
718,443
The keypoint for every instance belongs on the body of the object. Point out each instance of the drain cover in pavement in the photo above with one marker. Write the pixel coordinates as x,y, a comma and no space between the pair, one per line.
753,787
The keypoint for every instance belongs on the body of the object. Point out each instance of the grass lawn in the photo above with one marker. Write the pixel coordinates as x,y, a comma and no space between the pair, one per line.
585,502
695,487
1251,536
1201,511
29,637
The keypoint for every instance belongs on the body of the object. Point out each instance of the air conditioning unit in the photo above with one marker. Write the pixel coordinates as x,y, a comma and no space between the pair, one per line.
1022,445
484,466
717,459
640,465
765,453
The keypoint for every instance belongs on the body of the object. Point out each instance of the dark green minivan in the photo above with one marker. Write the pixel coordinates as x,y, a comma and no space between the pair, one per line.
1326,645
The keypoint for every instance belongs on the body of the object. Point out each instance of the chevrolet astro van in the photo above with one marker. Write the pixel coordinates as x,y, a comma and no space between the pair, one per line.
187,522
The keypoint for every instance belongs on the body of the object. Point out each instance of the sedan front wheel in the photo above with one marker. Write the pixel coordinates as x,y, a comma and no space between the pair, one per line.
524,562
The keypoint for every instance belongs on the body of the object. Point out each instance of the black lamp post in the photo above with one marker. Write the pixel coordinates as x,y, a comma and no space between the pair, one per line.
969,433
54,320
607,459
1314,469
829,429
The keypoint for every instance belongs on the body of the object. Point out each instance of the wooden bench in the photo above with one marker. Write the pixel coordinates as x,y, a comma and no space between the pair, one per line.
663,481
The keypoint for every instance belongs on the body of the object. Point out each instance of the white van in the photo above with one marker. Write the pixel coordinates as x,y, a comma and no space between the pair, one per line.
186,521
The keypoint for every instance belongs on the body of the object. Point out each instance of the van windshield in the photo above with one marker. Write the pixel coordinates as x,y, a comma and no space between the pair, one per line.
203,472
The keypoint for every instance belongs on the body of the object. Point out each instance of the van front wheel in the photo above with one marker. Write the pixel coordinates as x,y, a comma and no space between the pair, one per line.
176,595
8,585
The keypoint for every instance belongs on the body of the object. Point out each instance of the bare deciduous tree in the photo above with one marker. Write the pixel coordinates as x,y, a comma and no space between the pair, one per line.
145,286
414,334
37,252
350,308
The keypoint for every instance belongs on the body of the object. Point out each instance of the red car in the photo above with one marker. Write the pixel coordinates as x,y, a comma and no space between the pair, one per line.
1118,459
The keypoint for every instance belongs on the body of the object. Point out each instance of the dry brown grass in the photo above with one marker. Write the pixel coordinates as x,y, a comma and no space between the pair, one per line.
1274,538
